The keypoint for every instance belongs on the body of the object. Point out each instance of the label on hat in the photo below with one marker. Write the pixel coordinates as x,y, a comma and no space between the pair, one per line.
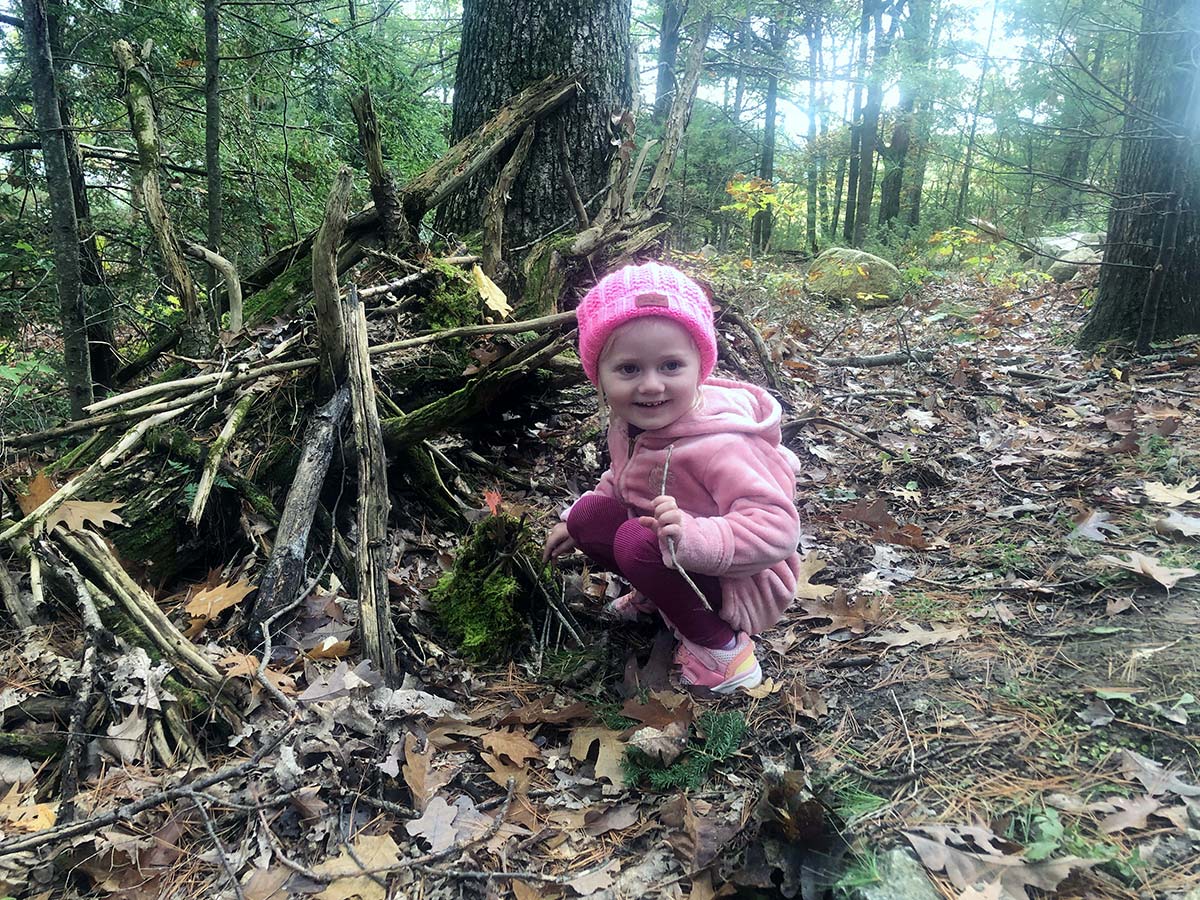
651,300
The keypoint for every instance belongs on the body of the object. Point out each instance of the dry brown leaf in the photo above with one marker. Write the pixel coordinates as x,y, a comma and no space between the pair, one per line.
41,488
423,783
1154,778
810,565
613,818
266,884
245,665
370,852
807,702
966,868
436,825
915,634
841,613
1132,812
75,514
765,688
1173,494
1176,522
608,758
18,814
1151,568
658,713
663,744
595,879
532,713
512,744
211,602
502,771
702,832
329,648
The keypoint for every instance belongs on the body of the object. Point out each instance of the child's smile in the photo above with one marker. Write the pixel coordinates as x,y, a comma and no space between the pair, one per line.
650,372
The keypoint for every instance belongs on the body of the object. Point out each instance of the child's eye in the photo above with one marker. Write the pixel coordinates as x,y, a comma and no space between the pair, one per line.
672,365
627,369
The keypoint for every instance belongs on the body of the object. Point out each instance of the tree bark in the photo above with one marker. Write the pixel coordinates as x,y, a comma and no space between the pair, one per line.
895,155
763,222
810,223
139,101
383,185
212,131
855,163
326,292
98,298
508,44
668,48
965,183
869,136
1147,288
64,225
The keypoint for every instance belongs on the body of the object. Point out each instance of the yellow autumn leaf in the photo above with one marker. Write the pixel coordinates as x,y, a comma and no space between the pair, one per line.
493,298
346,870
18,815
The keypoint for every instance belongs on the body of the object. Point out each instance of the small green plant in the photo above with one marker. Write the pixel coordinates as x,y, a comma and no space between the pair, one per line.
862,871
852,800
722,733
1045,835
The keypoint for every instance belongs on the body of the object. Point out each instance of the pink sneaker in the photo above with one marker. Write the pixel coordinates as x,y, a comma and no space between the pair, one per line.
629,607
721,671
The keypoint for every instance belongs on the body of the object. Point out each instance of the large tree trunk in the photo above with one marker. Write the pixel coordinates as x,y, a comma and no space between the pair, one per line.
507,45
64,226
1147,287
668,47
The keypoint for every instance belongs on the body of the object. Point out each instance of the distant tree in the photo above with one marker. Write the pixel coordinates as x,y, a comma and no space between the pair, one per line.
1147,288
508,44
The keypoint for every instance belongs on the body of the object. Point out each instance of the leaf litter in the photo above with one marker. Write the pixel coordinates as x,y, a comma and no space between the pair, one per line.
963,596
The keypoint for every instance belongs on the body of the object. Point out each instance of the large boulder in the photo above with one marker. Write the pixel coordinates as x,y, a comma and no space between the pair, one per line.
844,274
1066,267
1045,251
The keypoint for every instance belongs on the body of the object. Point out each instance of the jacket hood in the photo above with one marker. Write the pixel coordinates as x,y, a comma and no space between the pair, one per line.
726,406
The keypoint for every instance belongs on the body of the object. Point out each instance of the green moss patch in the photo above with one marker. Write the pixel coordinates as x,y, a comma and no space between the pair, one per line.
484,601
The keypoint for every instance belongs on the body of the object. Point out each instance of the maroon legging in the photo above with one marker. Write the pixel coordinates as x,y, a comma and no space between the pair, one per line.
603,530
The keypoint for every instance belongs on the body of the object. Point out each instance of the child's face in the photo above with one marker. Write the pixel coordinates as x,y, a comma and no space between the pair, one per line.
650,372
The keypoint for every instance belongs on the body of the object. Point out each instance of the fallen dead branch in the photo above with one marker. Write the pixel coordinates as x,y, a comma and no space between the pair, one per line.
880,359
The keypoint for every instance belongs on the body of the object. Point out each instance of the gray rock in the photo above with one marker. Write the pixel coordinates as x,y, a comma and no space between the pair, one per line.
901,877
708,251
1066,267
844,274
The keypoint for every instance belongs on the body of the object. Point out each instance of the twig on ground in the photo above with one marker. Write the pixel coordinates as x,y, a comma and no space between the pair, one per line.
912,751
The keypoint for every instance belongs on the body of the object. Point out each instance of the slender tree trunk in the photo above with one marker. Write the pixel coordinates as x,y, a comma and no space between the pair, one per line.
212,132
98,299
870,122
810,206
506,46
896,155
965,184
763,222
63,224
668,47
739,88
852,181
1147,288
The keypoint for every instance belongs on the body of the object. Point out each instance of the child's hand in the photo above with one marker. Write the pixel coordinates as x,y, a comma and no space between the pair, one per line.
667,520
558,542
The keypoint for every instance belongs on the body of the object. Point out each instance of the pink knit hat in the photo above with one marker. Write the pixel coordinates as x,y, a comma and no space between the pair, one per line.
650,289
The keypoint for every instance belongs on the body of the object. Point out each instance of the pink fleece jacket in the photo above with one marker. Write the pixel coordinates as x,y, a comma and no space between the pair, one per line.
734,482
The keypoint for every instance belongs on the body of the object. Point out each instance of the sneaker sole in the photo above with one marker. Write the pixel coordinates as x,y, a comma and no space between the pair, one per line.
750,679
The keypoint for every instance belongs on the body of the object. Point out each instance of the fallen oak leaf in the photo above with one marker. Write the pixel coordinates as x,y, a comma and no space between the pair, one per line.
435,826
608,756
75,514
840,613
810,565
594,880
612,818
1154,778
1132,812
418,773
517,747
915,634
1148,566
245,665
346,869
1173,494
965,868
211,602
1091,524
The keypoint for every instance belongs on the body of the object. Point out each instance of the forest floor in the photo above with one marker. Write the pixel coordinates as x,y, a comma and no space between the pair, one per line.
992,664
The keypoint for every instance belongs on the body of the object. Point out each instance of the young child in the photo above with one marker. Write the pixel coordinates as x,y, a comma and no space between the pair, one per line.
647,343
